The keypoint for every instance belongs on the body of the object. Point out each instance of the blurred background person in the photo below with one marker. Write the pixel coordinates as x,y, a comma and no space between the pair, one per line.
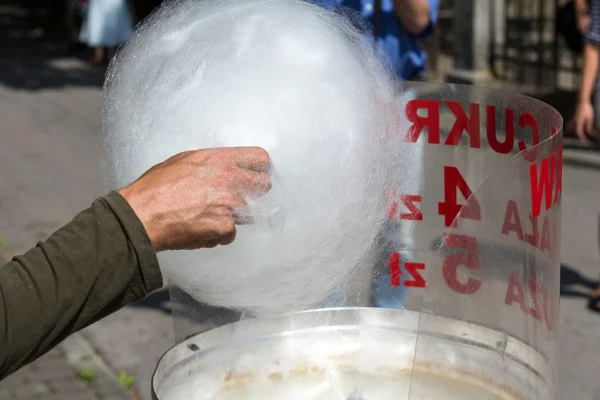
107,24
588,24
585,119
396,25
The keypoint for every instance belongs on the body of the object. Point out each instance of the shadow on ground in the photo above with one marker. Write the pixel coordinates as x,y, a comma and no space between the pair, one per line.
189,316
34,54
159,300
573,284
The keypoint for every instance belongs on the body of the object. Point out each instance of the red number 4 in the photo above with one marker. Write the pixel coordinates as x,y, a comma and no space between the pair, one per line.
449,208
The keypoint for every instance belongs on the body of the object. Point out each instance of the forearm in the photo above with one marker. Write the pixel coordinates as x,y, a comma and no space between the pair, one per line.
589,73
413,14
580,7
94,265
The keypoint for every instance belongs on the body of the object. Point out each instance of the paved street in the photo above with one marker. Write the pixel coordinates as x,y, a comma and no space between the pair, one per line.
48,378
72,371
49,169
49,157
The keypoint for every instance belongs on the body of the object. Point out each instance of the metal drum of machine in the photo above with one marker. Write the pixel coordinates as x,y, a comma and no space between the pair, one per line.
461,301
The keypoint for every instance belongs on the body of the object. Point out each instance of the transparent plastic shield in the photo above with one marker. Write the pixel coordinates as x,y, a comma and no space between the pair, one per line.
493,219
458,298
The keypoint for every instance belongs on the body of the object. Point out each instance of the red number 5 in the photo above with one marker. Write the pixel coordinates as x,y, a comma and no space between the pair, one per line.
469,258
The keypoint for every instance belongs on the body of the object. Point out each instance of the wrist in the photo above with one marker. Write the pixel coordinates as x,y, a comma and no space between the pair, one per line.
141,207
584,101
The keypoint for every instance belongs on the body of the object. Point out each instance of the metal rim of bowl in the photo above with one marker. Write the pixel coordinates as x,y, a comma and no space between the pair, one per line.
493,340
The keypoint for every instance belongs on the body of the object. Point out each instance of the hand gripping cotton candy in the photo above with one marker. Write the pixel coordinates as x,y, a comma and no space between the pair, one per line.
284,75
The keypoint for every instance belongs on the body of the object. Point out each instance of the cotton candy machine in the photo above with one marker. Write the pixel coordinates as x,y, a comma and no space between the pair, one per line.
460,300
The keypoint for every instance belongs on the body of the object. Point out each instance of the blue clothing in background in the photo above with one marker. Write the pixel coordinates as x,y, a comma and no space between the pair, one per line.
106,23
593,34
409,62
407,58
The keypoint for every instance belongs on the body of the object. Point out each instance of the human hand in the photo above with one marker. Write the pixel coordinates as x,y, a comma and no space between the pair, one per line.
189,201
583,17
584,120
583,23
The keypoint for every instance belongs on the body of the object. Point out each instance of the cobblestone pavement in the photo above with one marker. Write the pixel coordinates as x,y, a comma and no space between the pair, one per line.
49,112
70,371
52,378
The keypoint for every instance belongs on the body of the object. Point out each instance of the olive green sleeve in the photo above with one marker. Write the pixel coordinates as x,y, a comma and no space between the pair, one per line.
99,262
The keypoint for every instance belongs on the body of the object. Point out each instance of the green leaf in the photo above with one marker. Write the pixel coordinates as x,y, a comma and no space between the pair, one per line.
86,375
126,380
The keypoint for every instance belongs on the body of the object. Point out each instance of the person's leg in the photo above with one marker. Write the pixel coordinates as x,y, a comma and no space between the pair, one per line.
98,56
117,22
110,54
596,102
594,301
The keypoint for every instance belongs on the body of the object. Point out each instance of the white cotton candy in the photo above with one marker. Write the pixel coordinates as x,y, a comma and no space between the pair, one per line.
285,75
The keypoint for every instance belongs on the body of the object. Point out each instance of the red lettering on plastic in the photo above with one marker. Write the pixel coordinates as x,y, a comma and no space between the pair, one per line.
542,184
395,271
410,202
542,308
527,119
546,241
533,237
468,258
512,220
464,123
492,133
431,121
514,292
558,189
413,269
449,208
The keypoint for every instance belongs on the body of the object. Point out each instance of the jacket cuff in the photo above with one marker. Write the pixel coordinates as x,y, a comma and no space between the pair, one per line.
139,239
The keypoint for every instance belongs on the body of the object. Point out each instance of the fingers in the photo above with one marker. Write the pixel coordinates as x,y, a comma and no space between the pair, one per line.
228,235
252,158
242,217
214,241
222,232
589,126
251,182
584,128
579,126
237,212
